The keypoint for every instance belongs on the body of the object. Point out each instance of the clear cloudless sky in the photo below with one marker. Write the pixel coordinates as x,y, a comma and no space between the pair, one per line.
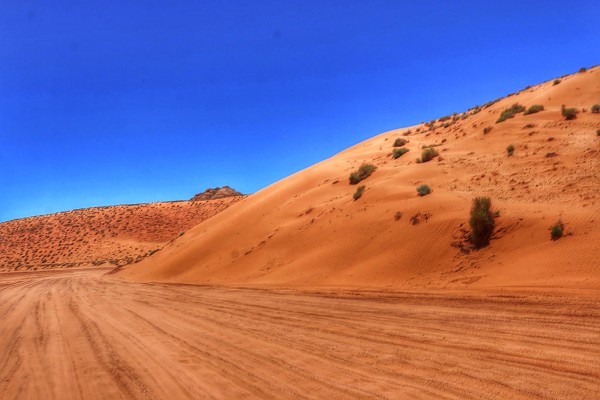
109,102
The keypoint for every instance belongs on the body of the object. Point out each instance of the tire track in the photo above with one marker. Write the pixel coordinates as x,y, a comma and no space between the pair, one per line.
78,334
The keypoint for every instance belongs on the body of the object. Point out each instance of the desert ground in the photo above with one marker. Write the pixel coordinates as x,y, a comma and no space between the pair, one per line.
80,335
304,290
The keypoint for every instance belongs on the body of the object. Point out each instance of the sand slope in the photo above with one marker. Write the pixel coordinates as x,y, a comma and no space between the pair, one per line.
307,230
114,235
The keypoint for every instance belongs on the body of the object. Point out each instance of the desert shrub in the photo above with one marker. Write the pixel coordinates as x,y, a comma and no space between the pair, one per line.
510,149
487,130
364,171
569,113
534,109
428,154
423,190
359,191
582,69
444,118
598,132
397,215
400,142
556,82
556,230
481,221
596,109
398,152
510,112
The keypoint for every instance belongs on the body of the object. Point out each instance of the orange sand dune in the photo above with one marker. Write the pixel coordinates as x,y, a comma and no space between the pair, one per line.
114,235
307,229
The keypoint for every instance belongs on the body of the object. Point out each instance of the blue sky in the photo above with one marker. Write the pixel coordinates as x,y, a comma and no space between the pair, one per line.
106,102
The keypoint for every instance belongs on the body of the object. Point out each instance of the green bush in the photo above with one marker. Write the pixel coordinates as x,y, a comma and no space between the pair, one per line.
398,152
423,190
582,69
359,191
364,171
534,109
556,82
596,109
428,154
556,230
400,142
569,113
510,112
481,221
510,149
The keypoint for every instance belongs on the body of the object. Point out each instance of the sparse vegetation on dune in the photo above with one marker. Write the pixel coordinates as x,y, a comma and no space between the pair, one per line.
596,109
510,149
510,112
359,192
428,154
534,109
399,142
481,221
569,113
423,190
399,152
556,230
363,172
556,82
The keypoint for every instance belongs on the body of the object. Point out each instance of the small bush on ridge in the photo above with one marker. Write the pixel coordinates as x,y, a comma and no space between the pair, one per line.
364,171
510,112
596,109
423,190
569,113
398,152
359,191
556,230
428,154
556,82
400,142
510,149
534,109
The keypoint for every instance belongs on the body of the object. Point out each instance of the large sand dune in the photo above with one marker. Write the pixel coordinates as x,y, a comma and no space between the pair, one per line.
307,229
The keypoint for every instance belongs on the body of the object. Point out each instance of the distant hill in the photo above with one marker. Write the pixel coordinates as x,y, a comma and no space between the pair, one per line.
113,235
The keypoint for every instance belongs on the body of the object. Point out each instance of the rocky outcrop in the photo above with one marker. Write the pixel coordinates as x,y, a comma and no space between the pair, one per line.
216,193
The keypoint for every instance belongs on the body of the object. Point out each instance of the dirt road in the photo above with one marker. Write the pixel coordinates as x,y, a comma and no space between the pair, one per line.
79,334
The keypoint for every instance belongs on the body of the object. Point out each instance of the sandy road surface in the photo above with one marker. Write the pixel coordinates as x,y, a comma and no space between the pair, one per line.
80,334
